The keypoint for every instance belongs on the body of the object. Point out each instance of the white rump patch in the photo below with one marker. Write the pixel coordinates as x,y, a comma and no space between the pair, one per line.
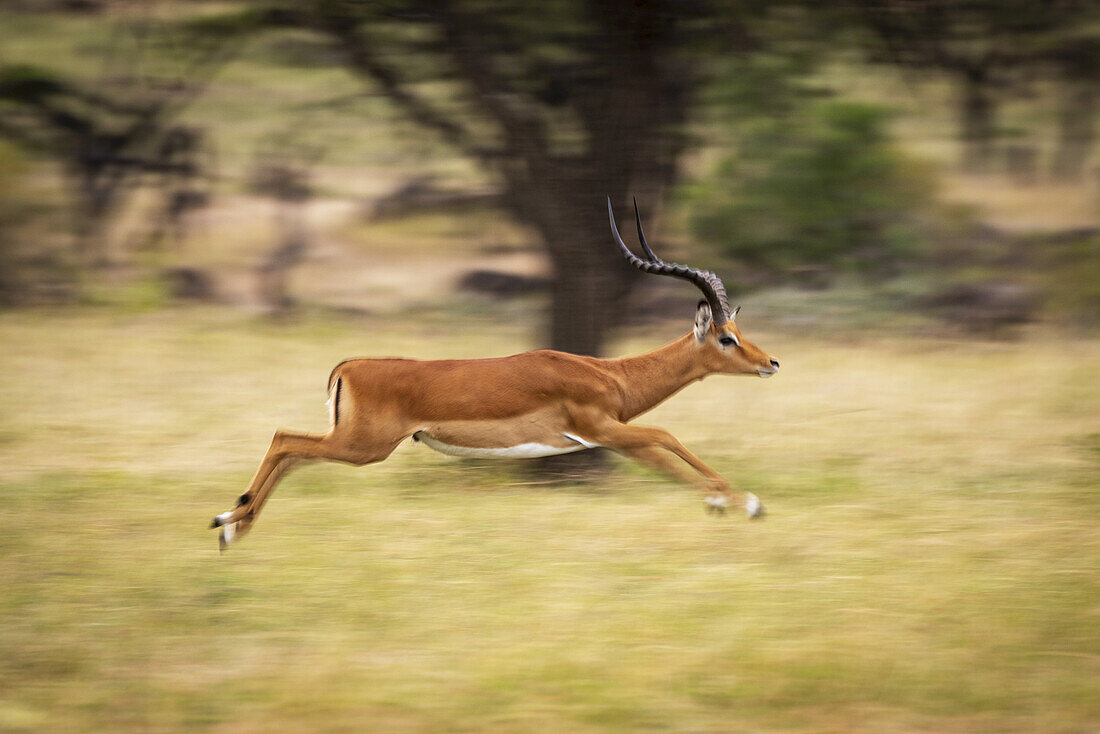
331,403
520,451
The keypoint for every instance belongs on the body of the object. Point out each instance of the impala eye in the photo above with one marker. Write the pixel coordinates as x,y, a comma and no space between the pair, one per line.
726,341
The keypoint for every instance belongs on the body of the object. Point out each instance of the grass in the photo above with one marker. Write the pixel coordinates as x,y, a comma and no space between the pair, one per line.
929,562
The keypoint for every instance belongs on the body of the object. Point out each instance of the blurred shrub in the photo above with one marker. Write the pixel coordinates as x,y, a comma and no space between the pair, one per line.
989,307
10,280
33,268
816,189
1074,280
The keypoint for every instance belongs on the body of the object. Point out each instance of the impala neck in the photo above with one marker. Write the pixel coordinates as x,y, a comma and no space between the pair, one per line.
651,378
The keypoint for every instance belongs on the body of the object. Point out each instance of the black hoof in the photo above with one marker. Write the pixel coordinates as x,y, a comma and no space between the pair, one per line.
216,523
222,545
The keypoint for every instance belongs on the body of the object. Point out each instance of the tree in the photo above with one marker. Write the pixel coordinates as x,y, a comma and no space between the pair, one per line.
1077,60
566,103
285,178
981,44
108,133
101,142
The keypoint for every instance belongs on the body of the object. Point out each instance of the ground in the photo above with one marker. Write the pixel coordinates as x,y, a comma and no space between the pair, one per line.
928,563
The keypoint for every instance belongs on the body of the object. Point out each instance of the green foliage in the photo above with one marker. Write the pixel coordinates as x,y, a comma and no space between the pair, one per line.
23,81
1075,281
813,183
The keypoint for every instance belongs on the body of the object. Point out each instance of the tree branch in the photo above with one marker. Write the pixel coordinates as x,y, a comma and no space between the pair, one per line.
365,62
464,36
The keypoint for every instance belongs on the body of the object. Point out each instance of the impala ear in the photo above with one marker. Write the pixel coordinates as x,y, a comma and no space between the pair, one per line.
703,321
735,310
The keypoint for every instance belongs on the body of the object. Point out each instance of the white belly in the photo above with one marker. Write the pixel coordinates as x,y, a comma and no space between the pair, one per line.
519,451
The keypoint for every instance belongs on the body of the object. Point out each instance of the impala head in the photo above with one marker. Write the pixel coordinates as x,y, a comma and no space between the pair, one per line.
721,345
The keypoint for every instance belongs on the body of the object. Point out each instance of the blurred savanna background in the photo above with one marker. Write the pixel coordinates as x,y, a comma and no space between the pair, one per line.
205,205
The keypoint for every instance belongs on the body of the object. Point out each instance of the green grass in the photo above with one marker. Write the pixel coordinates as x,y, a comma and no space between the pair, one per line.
929,562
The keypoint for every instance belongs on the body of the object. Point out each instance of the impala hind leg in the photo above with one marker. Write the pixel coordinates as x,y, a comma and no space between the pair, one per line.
254,502
287,450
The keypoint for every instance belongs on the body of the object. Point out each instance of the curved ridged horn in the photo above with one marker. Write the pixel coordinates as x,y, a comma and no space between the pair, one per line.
641,235
704,280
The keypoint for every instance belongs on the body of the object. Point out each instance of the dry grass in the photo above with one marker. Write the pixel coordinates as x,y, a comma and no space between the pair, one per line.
929,563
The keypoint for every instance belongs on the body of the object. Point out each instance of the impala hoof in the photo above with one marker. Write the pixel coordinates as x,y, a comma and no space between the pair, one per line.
226,535
717,505
753,508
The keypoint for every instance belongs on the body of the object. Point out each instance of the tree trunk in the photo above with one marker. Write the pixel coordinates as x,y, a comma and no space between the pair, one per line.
1076,129
579,311
592,282
977,119
588,298
93,204
587,302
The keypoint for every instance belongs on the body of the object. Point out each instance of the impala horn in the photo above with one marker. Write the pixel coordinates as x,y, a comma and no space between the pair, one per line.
704,280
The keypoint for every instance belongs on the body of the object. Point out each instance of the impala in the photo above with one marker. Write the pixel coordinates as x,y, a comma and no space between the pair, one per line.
532,404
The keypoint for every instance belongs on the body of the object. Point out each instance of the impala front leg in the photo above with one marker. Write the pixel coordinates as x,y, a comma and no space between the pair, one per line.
718,493
717,503
645,444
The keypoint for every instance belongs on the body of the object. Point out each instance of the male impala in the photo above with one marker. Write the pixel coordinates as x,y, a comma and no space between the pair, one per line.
532,404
